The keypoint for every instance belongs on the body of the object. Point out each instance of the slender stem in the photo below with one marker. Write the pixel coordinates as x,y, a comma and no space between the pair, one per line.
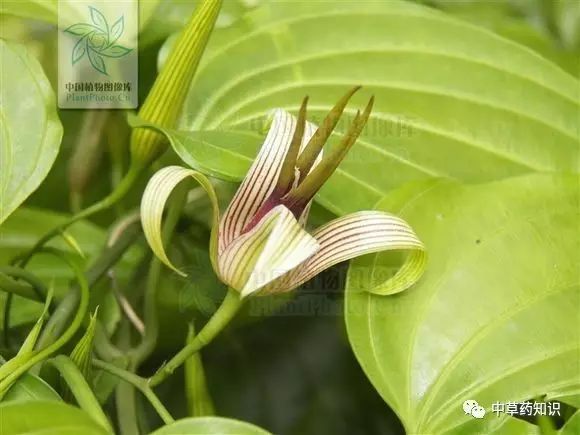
29,360
37,285
119,193
139,383
67,305
126,409
220,319
37,292
9,285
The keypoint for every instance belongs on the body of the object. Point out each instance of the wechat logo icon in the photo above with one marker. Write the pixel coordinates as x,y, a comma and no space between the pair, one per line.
97,40
472,408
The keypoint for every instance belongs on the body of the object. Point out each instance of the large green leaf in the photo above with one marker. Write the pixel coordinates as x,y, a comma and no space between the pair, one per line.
30,131
495,317
452,99
30,387
209,426
26,226
46,418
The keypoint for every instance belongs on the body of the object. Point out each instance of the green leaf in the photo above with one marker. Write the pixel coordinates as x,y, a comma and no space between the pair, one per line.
572,426
30,387
493,318
46,418
30,131
452,99
80,389
23,228
210,425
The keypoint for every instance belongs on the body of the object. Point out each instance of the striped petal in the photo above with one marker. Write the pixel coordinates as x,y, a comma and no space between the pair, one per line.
262,176
276,245
358,234
153,202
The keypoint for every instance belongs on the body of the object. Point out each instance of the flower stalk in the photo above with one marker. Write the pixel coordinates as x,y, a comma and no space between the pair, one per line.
220,319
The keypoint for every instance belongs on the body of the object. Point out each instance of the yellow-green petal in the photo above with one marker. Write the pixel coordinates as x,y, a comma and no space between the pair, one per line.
359,234
276,245
153,202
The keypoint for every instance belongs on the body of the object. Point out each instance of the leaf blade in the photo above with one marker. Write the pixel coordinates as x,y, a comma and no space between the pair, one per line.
423,80
497,270
30,134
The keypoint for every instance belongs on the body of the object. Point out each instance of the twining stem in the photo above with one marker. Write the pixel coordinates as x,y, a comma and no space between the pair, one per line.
29,360
120,191
38,288
140,383
67,305
36,291
220,319
9,285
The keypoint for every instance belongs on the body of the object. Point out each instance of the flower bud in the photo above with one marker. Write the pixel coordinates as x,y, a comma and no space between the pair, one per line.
165,101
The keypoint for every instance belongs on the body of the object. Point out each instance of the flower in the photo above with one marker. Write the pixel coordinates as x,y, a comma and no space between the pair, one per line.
260,245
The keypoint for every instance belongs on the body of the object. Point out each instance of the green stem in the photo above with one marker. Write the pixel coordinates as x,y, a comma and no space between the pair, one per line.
29,360
141,384
80,388
220,319
126,409
38,287
67,305
119,193
11,286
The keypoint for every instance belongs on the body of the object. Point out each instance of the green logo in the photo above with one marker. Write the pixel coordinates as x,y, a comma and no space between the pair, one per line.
98,40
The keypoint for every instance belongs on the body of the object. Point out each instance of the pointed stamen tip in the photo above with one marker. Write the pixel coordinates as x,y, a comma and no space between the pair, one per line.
369,107
350,93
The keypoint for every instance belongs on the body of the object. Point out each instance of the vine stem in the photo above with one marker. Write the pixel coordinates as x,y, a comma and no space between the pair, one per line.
22,365
119,193
38,288
69,302
220,319
141,384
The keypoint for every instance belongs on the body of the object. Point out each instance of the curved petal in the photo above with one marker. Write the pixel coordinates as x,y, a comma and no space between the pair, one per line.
358,234
262,176
153,202
276,245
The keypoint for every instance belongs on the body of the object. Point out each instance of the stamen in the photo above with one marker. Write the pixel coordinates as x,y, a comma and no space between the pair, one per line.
310,153
287,173
313,181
